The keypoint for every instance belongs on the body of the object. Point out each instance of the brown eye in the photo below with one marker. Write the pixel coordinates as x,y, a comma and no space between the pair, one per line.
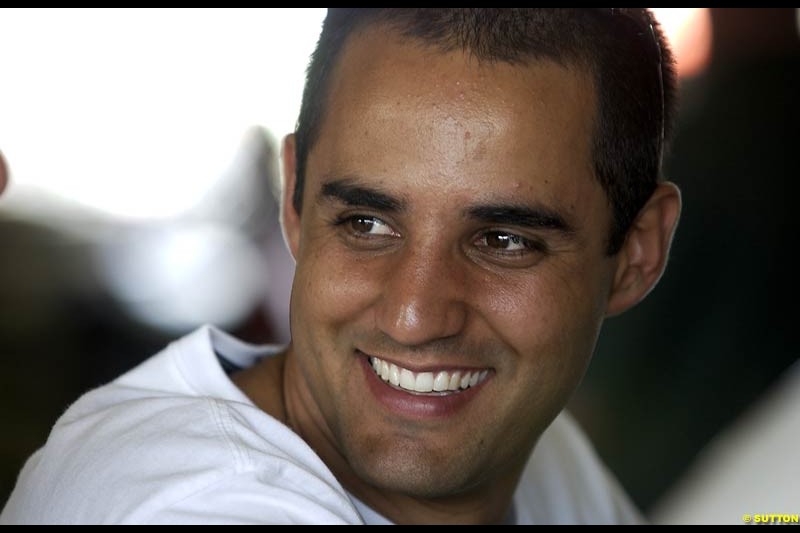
508,249
362,224
503,241
367,226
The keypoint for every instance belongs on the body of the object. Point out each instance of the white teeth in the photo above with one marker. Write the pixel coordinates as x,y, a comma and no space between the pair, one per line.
455,381
442,381
407,379
394,375
424,382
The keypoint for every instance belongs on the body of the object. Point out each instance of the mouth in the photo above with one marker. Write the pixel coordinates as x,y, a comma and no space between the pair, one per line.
432,394
438,383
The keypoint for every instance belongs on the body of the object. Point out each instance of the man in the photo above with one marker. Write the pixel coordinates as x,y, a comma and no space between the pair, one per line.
468,195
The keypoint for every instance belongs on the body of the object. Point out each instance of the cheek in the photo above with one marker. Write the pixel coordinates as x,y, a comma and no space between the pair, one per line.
333,286
551,322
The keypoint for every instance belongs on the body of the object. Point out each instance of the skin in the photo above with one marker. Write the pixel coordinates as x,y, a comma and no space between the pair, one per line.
399,256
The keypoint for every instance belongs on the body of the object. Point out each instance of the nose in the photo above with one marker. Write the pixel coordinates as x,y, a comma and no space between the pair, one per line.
423,298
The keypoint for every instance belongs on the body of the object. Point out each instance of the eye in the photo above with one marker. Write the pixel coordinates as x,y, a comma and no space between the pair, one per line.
508,249
364,230
366,225
506,242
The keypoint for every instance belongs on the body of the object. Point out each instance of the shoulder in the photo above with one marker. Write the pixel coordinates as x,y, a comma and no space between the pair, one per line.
124,453
565,482
177,460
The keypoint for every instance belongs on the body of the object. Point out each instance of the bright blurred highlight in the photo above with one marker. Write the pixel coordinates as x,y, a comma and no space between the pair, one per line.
138,112
184,276
689,32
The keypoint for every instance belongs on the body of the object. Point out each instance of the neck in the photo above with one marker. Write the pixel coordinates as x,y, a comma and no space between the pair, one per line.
484,504
263,384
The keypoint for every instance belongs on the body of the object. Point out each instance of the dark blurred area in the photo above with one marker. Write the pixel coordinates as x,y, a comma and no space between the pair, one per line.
79,307
719,329
668,375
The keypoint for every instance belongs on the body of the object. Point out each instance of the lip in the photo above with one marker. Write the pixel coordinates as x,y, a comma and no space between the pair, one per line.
415,406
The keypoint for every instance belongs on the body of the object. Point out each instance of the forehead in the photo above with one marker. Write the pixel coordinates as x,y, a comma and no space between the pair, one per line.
395,102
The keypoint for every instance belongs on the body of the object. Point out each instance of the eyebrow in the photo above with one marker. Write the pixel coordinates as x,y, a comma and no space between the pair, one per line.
538,217
348,192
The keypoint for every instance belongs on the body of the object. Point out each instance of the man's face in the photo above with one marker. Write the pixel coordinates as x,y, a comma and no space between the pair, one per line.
451,241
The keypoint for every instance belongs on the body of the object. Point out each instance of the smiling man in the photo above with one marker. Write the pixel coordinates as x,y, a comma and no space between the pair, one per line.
469,193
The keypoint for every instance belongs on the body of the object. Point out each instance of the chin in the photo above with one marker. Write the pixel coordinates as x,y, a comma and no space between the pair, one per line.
415,470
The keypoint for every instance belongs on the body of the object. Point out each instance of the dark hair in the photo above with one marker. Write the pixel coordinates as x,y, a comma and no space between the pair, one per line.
624,49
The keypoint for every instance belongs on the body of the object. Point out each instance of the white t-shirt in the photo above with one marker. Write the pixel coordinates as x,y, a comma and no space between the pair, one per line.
175,441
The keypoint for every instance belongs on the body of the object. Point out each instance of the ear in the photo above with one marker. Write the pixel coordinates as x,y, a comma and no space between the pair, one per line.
3,173
290,218
643,257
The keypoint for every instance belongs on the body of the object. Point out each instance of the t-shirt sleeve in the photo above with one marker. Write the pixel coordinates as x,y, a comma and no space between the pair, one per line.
174,460
230,464
248,500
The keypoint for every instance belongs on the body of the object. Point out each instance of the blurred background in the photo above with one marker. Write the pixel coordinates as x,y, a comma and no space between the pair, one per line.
143,146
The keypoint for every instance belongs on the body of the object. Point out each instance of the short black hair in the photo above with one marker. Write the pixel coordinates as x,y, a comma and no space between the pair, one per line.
623,48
